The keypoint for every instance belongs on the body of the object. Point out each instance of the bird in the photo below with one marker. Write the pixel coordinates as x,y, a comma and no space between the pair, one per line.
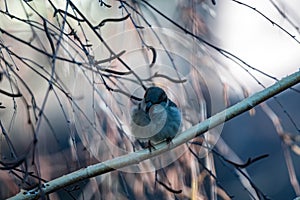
156,118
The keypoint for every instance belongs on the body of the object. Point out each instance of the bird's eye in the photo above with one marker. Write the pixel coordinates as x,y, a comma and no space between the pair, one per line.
163,97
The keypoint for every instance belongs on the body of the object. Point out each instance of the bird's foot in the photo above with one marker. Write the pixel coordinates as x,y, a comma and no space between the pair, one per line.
169,141
150,145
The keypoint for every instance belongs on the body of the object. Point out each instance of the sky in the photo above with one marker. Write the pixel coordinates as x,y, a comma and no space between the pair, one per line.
253,38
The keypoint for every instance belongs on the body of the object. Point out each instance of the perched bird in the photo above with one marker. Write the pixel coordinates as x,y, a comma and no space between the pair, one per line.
156,118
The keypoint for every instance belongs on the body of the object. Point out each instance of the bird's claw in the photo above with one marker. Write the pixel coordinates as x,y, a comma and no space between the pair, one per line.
150,145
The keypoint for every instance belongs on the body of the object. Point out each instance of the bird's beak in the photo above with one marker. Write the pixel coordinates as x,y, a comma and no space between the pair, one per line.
148,106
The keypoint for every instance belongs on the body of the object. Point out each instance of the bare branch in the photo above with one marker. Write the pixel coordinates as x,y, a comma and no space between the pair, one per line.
137,157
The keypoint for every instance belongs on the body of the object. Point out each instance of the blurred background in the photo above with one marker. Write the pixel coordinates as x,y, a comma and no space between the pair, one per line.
71,71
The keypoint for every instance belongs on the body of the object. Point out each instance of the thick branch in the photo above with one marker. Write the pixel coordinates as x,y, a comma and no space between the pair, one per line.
139,156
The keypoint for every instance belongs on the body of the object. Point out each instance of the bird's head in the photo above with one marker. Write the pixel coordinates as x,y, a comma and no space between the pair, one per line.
155,95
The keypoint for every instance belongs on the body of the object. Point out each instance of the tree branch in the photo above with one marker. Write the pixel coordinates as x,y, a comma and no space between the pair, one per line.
139,156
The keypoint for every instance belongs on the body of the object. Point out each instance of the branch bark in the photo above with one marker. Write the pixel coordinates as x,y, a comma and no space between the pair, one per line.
137,157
